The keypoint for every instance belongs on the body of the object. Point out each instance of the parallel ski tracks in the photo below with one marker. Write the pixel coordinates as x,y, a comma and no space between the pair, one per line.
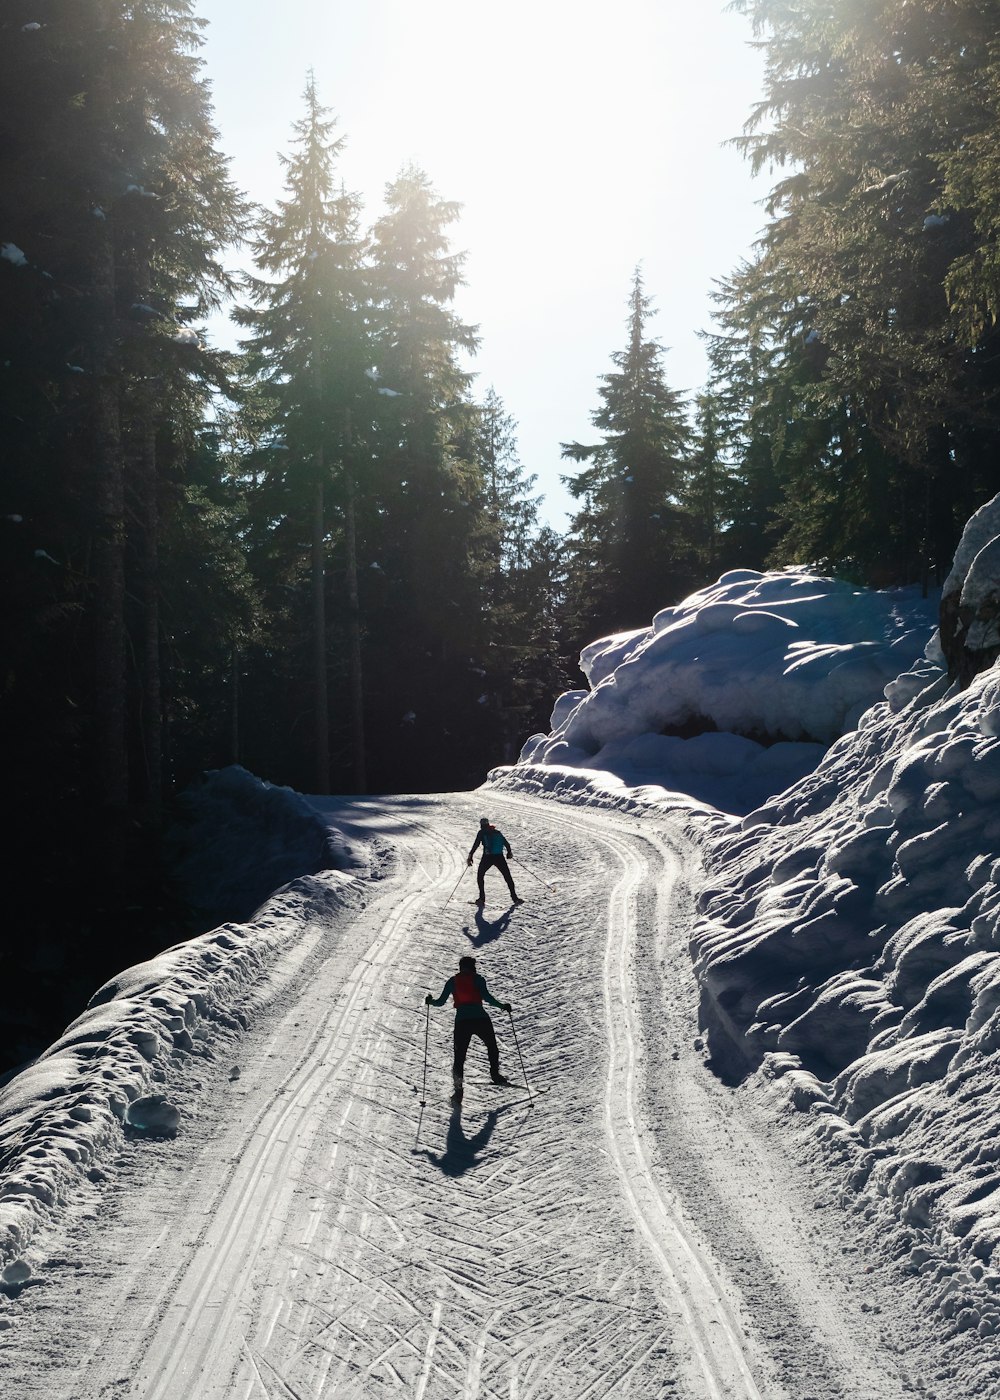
710,1321
206,1303
338,1259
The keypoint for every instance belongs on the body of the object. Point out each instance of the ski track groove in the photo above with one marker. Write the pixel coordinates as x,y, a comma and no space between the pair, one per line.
541,1258
170,1360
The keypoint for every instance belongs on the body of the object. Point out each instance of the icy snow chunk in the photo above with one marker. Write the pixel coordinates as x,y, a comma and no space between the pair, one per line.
13,254
153,1114
983,578
16,1274
565,706
980,529
186,336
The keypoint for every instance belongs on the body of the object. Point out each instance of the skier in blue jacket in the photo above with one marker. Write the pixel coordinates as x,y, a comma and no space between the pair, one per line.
494,844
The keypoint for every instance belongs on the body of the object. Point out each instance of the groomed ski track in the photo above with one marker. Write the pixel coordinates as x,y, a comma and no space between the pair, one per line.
314,1232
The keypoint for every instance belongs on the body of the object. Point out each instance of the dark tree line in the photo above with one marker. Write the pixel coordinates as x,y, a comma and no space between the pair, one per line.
321,555
856,363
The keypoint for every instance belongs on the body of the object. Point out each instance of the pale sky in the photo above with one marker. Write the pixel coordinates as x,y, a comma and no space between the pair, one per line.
581,138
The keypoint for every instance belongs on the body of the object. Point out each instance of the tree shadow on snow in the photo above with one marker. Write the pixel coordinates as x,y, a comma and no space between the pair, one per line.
461,1153
486,929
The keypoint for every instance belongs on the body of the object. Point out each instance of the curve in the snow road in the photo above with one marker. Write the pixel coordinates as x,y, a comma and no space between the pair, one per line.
508,1252
715,1335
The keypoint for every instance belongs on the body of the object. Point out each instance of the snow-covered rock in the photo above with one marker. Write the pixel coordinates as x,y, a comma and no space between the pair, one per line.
735,693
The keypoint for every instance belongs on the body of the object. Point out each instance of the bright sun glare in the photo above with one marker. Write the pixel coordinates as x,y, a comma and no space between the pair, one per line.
579,138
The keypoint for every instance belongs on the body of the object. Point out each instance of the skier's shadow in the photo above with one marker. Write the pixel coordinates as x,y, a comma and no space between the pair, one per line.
486,929
461,1153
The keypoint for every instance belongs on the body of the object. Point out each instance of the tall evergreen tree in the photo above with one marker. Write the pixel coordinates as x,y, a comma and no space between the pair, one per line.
708,490
113,213
629,553
114,204
420,538
521,588
881,236
309,350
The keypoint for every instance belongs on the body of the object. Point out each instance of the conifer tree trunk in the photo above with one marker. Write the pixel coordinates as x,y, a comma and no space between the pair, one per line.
321,749
108,599
354,622
144,470
142,499
234,709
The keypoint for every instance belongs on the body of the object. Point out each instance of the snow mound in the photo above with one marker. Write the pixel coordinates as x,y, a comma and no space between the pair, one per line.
849,940
236,839
781,663
62,1118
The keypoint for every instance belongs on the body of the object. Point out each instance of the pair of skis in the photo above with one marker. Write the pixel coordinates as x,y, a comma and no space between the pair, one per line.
427,1031
517,862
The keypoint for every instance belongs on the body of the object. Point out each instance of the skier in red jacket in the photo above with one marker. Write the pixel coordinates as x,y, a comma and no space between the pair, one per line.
471,1018
494,844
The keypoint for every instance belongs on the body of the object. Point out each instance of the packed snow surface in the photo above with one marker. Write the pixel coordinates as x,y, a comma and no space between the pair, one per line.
846,944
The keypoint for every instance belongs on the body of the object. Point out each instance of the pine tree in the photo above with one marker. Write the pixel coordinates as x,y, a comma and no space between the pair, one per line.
422,525
521,589
881,239
309,351
114,204
708,490
629,554
115,207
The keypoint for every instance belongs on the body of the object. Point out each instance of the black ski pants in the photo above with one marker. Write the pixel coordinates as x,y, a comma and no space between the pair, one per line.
501,864
465,1029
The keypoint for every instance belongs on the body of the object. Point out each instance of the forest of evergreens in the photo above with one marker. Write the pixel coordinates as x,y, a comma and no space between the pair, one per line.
320,555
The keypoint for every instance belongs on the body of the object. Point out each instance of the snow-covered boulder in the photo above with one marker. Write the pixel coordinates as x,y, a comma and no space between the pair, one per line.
735,693
970,602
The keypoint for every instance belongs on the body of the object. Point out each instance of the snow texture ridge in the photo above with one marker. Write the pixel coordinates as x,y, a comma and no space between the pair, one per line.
848,939
781,663
849,949
62,1117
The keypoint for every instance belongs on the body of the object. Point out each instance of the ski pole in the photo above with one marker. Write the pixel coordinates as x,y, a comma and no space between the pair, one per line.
457,883
519,1055
532,873
427,1031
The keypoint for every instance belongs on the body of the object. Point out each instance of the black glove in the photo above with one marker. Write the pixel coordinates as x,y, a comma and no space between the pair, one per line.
428,999
469,861
507,1006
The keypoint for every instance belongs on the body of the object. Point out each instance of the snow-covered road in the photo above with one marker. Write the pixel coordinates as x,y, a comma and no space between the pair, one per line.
314,1232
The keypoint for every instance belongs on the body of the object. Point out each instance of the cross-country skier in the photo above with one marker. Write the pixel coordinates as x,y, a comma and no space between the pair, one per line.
469,990
494,844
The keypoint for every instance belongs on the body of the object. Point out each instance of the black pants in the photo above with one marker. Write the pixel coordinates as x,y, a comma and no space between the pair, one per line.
501,864
465,1029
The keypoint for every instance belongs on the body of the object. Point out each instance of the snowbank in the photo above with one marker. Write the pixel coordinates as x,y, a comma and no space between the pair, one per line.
848,939
236,839
851,938
782,663
606,791
62,1117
